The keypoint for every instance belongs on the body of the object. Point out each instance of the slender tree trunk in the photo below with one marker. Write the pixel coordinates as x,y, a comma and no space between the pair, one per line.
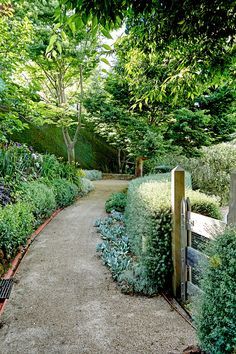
119,161
70,142
139,166
71,154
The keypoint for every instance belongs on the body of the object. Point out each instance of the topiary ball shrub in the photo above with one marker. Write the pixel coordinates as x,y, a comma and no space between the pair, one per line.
215,317
117,202
65,192
40,198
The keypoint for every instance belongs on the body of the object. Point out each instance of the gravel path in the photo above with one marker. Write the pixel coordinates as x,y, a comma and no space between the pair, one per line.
64,300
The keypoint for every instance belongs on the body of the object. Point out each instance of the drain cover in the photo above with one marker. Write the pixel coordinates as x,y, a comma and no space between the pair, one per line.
5,288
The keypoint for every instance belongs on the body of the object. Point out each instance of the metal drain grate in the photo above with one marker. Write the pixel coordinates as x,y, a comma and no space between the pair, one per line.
5,288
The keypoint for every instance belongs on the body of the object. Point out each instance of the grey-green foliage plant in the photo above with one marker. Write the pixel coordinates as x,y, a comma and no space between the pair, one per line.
215,316
117,202
40,199
16,224
115,248
85,187
93,175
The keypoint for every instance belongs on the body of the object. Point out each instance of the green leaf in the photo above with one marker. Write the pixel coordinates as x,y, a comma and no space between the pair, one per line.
72,27
105,61
63,35
53,39
106,33
59,47
79,23
107,47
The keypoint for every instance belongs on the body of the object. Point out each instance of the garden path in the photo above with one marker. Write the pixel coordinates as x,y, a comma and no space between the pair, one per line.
64,300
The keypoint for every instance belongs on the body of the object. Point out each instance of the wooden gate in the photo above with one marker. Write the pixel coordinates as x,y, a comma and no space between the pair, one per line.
196,229
186,228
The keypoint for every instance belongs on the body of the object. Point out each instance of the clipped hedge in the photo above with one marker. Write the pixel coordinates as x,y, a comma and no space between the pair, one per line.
216,310
117,202
16,224
40,199
164,177
148,222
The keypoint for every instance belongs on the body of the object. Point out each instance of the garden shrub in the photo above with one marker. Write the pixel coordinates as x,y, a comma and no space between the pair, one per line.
115,252
164,177
211,171
148,222
215,317
86,186
71,173
117,202
40,198
65,192
52,168
16,224
93,174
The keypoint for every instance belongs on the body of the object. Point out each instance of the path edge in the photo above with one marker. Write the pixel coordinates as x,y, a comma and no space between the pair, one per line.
20,255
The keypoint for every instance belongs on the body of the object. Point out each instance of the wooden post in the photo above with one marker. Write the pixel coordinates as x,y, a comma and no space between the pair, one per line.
184,244
231,218
177,194
189,236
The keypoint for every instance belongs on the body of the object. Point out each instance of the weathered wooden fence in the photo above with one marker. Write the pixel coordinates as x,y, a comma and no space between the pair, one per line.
189,231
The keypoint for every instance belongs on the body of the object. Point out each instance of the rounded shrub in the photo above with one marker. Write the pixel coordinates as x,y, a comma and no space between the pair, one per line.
216,310
40,198
85,187
65,192
16,224
93,175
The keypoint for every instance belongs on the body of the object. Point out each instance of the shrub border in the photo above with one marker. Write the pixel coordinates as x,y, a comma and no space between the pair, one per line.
19,257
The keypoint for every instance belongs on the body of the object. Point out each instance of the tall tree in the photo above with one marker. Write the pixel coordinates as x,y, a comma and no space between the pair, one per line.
61,61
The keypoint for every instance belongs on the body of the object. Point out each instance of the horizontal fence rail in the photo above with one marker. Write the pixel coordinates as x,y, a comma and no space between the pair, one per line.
204,225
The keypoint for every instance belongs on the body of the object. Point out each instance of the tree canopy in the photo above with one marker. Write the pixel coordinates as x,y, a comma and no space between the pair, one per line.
170,83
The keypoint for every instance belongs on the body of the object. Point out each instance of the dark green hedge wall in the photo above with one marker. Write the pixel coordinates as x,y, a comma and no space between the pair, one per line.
91,151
